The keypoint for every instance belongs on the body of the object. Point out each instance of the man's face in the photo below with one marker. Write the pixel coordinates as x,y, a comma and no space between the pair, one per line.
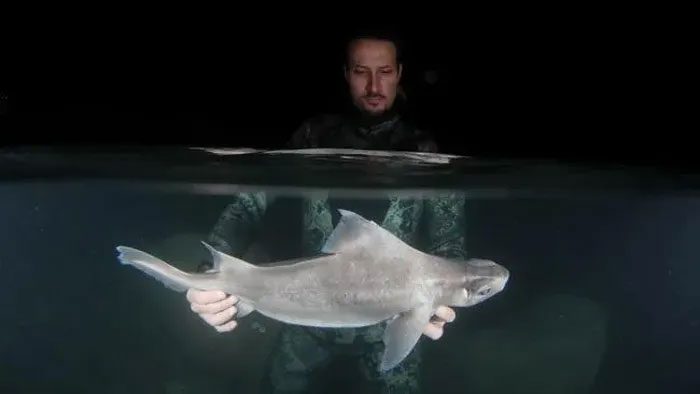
373,75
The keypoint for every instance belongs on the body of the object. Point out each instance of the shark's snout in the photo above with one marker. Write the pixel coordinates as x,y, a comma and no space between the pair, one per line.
502,279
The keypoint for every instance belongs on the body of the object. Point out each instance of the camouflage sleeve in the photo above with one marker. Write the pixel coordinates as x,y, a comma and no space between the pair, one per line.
445,225
425,141
310,132
239,223
445,218
427,145
301,138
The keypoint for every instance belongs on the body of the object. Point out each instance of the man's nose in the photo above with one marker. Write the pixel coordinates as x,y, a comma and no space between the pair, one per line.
372,85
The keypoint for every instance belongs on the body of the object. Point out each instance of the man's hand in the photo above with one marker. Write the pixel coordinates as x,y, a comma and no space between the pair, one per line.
215,307
434,329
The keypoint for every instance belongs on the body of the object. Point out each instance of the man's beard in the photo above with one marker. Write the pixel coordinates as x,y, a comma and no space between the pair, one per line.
366,108
368,118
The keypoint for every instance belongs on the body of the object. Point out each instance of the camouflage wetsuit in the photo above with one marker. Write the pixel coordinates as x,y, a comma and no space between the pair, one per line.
302,350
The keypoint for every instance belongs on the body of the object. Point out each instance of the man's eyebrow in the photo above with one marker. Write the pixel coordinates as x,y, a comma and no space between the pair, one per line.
366,67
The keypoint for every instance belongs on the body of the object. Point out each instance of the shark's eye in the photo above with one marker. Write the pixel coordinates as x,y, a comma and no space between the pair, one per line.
484,291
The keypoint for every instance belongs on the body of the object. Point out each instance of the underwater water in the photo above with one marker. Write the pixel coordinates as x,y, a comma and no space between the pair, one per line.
602,295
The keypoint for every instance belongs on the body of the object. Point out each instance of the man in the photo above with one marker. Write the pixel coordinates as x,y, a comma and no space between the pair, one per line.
373,72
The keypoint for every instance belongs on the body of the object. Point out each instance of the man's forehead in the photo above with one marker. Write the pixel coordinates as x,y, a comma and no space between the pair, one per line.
366,50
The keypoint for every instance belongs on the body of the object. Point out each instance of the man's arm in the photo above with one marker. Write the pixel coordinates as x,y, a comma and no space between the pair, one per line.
310,133
239,223
445,225
444,214
301,137
232,234
444,222
304,136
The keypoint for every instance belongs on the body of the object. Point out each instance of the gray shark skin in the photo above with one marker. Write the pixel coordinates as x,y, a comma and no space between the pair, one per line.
365,275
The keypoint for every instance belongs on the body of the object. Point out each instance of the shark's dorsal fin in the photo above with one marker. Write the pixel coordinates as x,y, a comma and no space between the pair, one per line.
224,262
353,232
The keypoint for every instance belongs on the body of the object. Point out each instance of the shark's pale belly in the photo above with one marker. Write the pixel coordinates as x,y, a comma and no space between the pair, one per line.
334,309
320,319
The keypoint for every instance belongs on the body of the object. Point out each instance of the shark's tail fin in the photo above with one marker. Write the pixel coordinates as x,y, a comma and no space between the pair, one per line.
170,276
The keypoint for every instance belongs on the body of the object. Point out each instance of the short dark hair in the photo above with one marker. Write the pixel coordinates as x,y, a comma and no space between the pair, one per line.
384,33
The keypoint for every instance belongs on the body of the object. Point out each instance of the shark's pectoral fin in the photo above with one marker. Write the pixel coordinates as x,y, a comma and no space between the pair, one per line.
244,309
402,334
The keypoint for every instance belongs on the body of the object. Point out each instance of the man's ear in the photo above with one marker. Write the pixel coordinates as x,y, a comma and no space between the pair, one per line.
400,71
345,72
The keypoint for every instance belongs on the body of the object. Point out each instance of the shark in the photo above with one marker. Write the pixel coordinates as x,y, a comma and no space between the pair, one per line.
364,275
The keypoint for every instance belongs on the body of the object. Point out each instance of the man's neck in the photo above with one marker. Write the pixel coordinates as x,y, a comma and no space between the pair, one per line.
370,120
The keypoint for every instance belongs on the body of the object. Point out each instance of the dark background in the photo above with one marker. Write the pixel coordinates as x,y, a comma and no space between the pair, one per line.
507,83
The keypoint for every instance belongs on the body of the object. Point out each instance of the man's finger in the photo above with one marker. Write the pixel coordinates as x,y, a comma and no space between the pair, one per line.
215,307
432,331
438,322
227,327
445,313
217,319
